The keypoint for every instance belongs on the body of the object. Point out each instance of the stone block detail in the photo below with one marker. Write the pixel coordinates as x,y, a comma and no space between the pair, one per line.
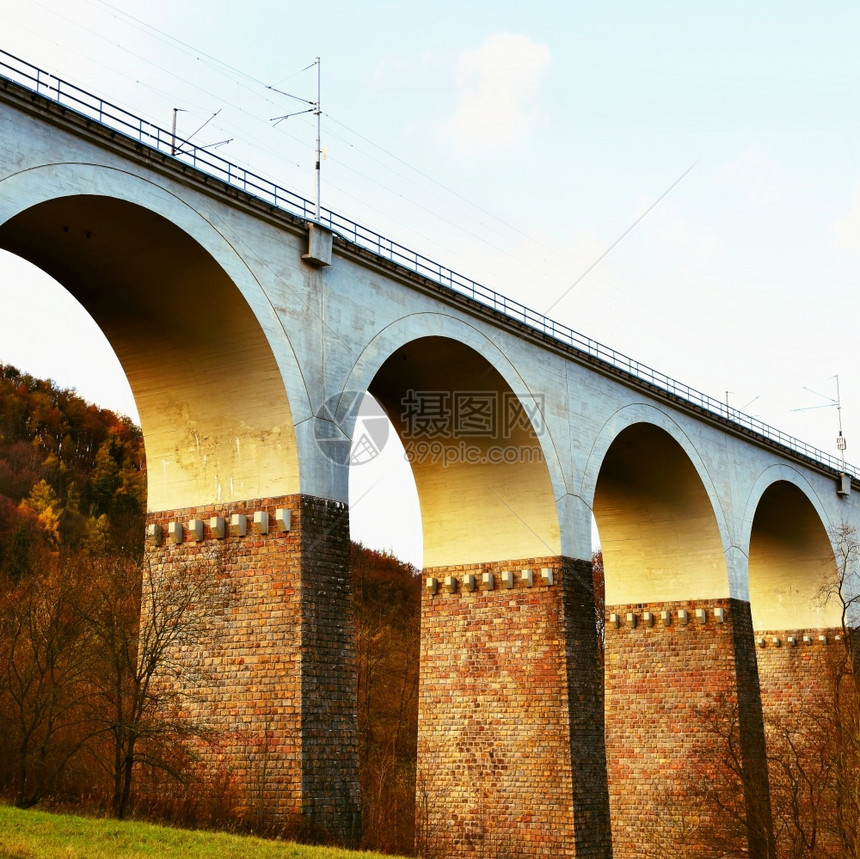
510,728
798,682
273,677
659,680
330,780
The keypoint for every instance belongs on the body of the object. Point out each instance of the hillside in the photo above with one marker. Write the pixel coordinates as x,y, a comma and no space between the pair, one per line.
72,506
72,475
40,835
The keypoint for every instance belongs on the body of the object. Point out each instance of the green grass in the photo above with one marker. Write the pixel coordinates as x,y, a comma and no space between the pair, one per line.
40,835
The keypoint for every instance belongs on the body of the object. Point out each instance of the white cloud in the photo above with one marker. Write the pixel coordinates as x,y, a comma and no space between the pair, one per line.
846,231
498,83
760,176
690,243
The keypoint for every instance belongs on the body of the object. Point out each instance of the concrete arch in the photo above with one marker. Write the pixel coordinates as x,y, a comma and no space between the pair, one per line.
215,414
790,554
663,533
23,190
475,437
645,413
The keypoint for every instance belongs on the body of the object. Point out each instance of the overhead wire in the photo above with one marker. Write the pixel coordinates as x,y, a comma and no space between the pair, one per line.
446,188
255,85
258,88
219,64
213,63
257,142
412,182
482,232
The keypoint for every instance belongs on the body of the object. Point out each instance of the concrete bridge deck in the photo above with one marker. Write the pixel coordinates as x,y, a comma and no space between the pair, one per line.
248,333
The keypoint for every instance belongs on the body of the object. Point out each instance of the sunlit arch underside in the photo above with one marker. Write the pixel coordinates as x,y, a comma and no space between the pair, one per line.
658,531
496,508
791,562
212,405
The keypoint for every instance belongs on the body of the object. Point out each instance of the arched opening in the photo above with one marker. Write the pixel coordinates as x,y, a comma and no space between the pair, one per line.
384,513
69,438
212,405
51,336
386,559
791,563
679,651
806,670
475,461
482,480
216,426
657,528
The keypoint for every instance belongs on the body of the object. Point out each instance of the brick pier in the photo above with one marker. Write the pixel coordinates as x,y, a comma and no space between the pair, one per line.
279,687
510,727
674,671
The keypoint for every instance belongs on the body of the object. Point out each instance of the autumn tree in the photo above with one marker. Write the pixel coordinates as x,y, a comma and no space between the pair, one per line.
838,725
45,657
138,625
78,469
813,754
387,601
23,543
90,638
598,574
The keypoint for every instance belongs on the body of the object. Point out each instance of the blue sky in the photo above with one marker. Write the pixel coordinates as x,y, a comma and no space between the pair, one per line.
516,143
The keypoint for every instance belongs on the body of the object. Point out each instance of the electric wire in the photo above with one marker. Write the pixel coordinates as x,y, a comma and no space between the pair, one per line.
254,86
258,146
220,66
223,68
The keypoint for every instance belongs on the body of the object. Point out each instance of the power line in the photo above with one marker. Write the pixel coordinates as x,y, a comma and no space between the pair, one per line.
619,239
256,86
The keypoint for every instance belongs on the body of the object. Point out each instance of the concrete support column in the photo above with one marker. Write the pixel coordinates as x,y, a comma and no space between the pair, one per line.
510,730
681,678
272,675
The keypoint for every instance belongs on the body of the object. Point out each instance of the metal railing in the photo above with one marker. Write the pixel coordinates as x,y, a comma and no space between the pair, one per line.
118,119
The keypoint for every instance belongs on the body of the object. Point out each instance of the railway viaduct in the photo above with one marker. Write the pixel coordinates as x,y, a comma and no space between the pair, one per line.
248,329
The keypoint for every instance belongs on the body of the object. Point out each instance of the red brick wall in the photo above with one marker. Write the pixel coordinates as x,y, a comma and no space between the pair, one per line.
794,676
659,682
798,682
510,728
279,685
